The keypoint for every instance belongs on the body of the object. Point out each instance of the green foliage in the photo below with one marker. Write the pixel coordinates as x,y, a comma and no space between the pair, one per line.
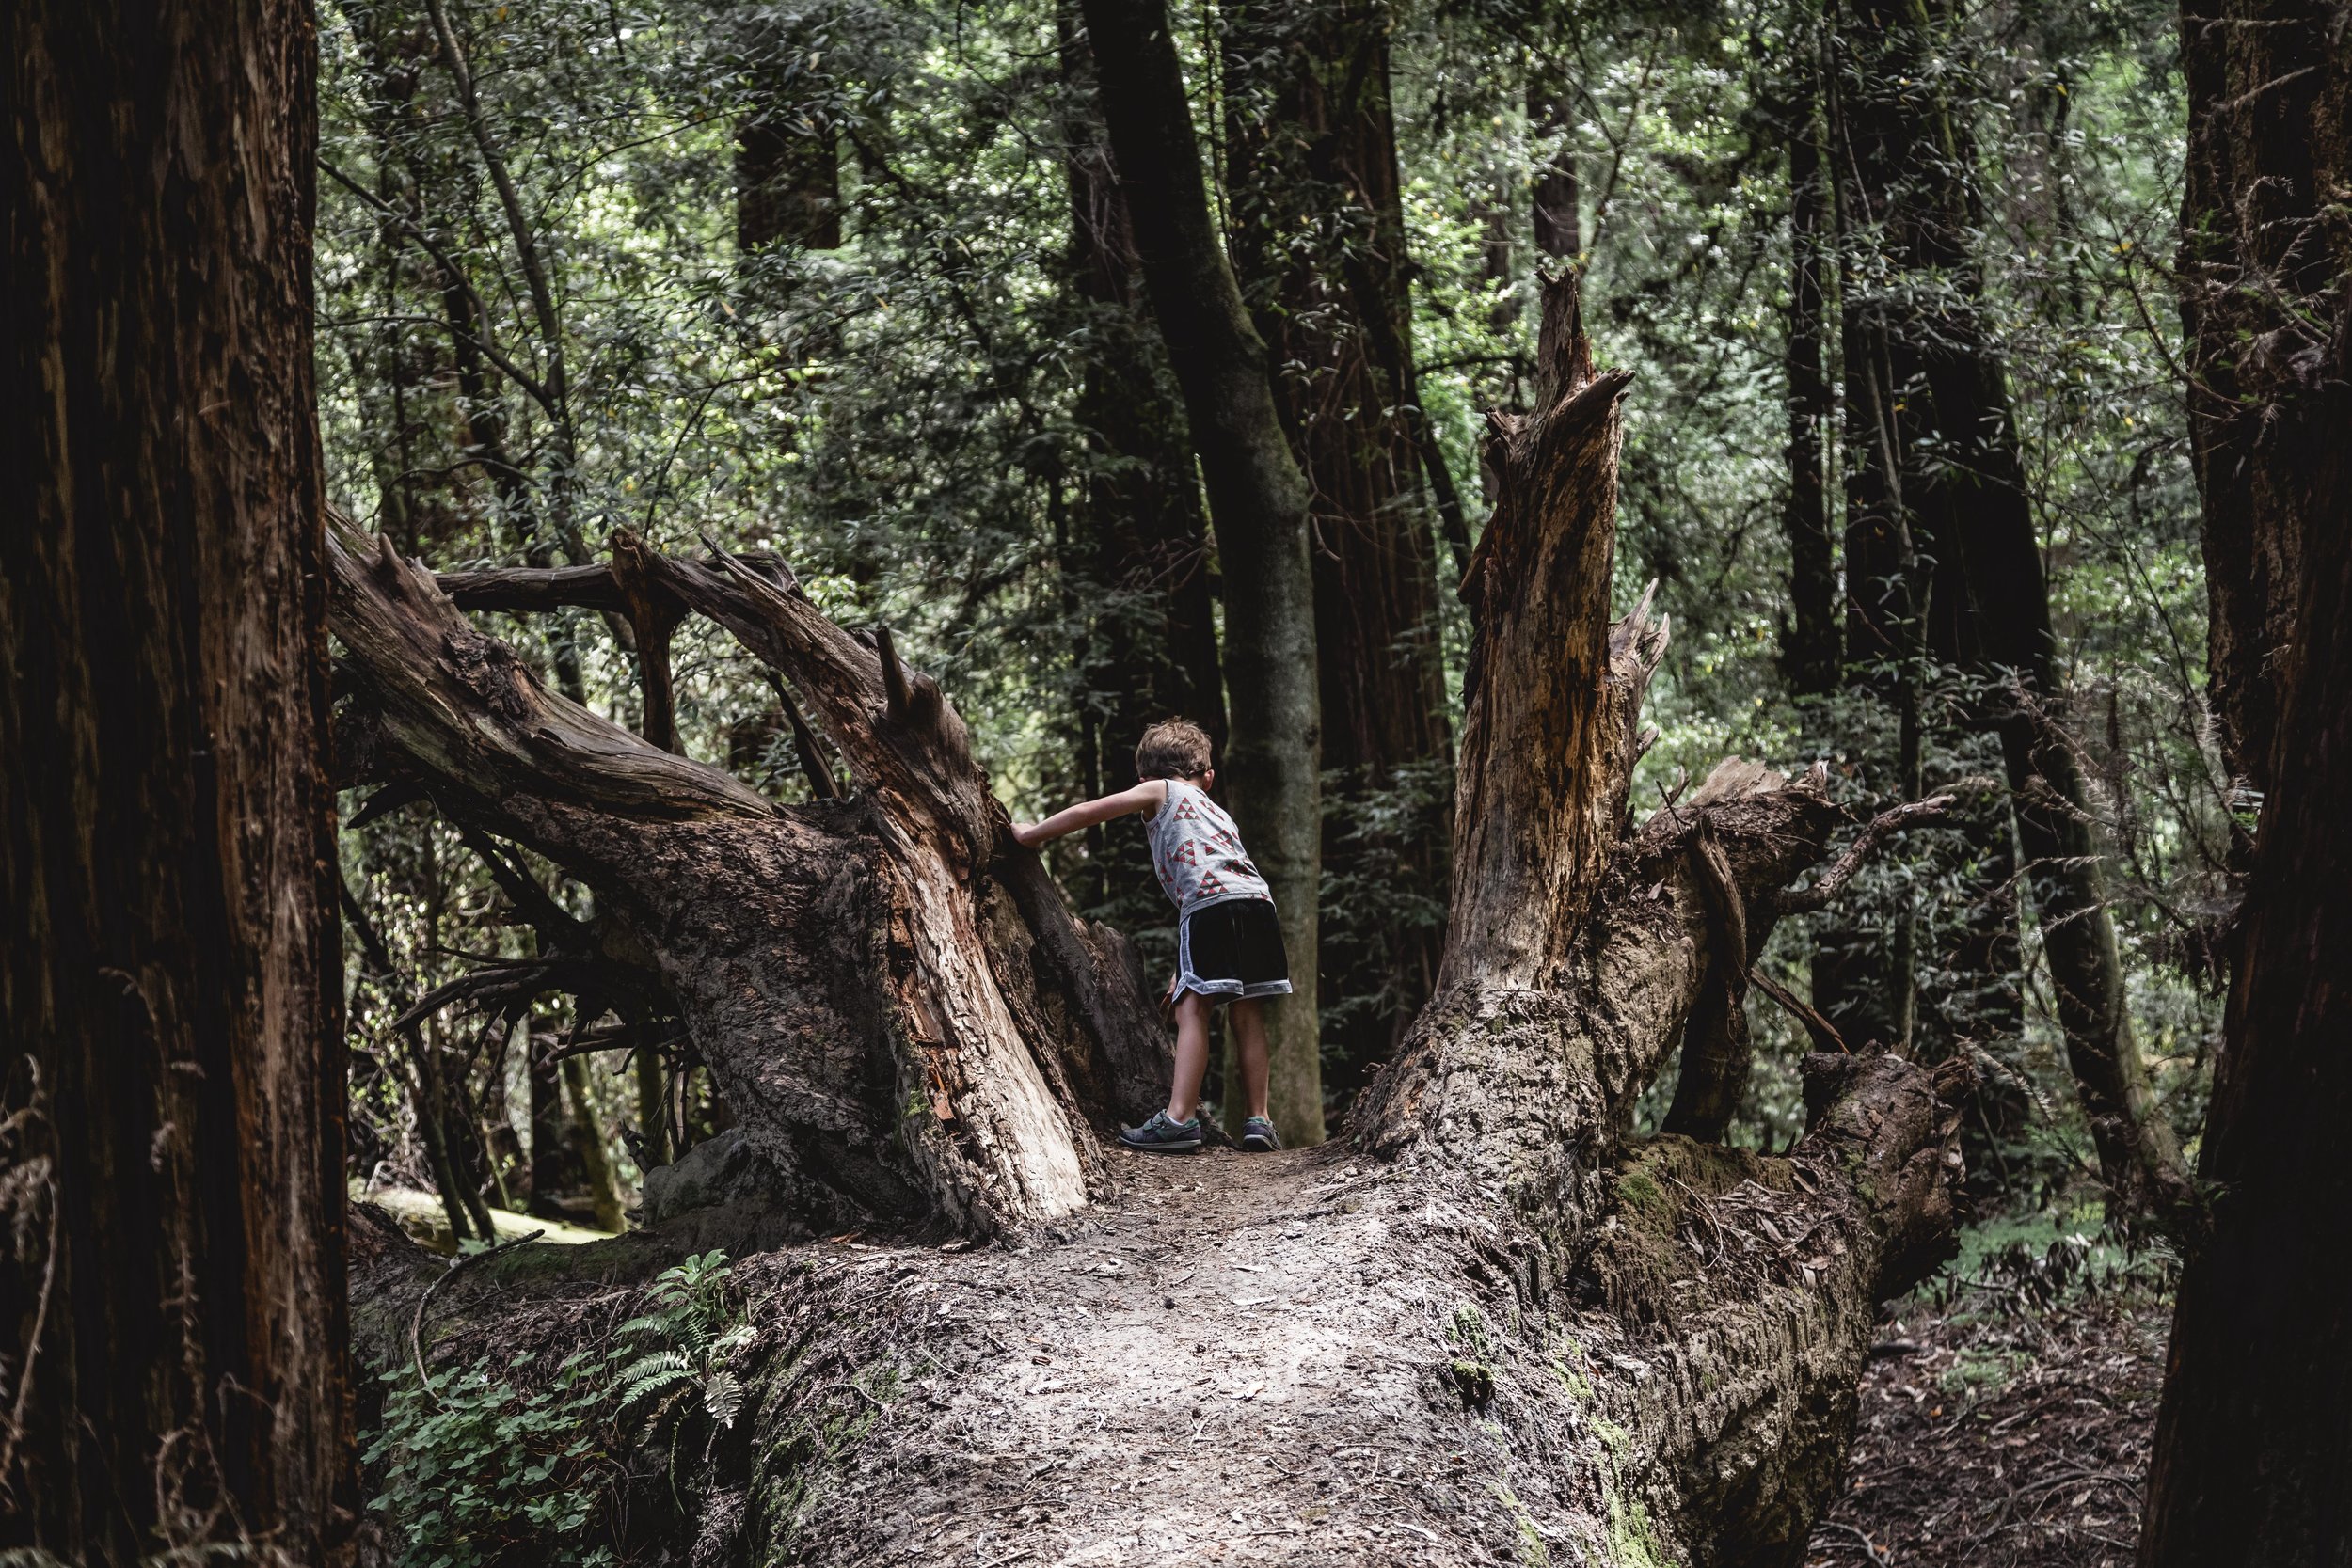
483,1464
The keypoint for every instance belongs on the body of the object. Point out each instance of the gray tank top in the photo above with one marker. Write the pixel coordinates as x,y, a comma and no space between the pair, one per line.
1197,851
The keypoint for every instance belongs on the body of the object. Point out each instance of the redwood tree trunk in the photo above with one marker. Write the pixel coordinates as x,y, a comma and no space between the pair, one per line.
1318,235
1137,547
1809,643
1258,505
2251,1445
171,1157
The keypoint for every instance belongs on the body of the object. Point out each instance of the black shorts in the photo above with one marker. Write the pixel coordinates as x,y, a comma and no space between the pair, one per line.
1232,949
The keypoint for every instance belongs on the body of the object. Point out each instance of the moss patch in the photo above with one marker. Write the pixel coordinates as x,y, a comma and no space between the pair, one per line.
1471,1371
1632,1543
1640,1255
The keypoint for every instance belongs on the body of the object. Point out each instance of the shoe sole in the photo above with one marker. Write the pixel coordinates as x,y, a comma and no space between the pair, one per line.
1192,1147
1259,1146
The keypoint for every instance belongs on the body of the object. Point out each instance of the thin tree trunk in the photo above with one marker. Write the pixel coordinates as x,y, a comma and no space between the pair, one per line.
428,1095
555,1167
1556,196
588,1147
2138,1153
787,157
2252,1444
556,391
1810,645
1945,480
172,1096
1864,976
1318,237
1258,504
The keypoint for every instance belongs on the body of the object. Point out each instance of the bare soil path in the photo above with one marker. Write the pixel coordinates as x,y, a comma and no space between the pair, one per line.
1090,1400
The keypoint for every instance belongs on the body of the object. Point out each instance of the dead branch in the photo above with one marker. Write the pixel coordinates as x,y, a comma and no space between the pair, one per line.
813,764
1715,1048
608,1036
416,1321
399,793
557,927
1833,882
529,588
504,984
1823,1033
897,697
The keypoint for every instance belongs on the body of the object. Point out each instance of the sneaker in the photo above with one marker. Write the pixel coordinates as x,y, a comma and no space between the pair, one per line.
1164,1134
1257,1137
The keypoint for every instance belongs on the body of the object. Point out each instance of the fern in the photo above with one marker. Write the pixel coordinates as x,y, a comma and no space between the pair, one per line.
722,1396
480,1467
650,1374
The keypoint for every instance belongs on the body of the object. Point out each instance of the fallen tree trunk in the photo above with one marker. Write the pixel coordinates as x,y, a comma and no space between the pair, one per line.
1496,1327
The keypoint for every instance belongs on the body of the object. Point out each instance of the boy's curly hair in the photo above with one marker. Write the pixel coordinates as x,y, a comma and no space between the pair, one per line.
1174,749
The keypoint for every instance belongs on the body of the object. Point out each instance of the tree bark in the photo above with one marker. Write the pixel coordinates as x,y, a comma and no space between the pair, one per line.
2259,244
1531,1328
1258,505
2251,1447
1317,228
1810,647
904,1021
171,1106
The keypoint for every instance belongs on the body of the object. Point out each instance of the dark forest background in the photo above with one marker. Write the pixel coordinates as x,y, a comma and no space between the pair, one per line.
855,284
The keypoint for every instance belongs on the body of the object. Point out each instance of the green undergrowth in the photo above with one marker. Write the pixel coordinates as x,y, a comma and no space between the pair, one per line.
2017,1272
504,1460
2048,1259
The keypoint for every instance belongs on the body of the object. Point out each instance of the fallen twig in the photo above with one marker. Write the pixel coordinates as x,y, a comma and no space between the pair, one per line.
1867,1544
416,1321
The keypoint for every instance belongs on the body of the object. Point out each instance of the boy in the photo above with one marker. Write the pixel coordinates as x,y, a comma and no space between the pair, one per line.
1229,944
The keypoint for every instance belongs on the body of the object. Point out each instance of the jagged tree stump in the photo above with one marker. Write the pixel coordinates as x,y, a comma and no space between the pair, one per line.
1494,1327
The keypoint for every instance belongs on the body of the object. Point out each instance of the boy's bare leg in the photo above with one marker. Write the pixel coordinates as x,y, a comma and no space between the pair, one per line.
1247,1022
1192,1056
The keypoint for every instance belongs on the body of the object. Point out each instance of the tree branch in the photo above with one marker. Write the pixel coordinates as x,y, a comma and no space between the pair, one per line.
538,391
1833,882
535,275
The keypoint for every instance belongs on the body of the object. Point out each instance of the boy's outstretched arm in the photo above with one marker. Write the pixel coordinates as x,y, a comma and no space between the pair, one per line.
1143,797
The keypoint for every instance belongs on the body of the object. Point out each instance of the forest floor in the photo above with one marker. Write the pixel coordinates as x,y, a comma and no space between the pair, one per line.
2006,1415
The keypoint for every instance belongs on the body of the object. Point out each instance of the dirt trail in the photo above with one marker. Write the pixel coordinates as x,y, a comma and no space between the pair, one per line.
1301,1359
1108,1385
